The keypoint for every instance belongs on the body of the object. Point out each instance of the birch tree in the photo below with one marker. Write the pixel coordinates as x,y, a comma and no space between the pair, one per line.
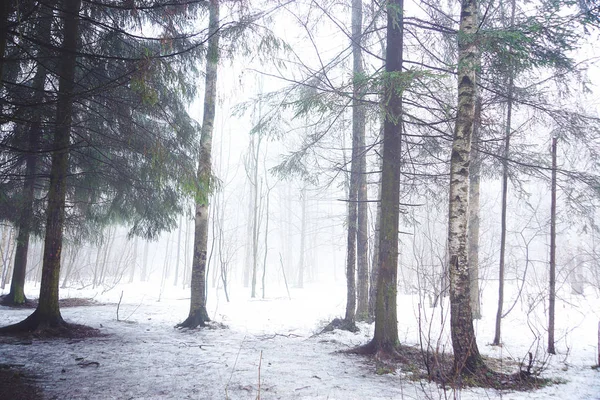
466,353
198,316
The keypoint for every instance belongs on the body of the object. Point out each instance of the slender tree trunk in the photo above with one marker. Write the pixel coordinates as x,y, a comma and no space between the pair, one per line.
375,264
178,250
74,251
552,288
257,209
249,234
466,353
107,252
97,266
7,253
133,260
264,271
302,239
501,273
186,264
358,133
144,273
165,271
350,316
47,313
474,179
198,315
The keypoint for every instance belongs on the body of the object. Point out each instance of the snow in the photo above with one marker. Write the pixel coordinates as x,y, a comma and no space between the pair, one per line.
142,356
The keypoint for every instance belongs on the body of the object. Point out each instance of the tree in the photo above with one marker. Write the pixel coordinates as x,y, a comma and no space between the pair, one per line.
508,132
198,316
467,359
552,273
16,296
47,313
358,142
102,173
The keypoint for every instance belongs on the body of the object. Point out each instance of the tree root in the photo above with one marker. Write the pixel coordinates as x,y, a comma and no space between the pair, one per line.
340,324
197,318
40,326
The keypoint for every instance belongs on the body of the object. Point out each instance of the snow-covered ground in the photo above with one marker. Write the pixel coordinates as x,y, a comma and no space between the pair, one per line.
269,349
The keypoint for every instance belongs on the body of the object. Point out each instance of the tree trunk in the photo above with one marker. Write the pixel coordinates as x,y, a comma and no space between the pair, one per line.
552,288
178,250
107,252
6,253
385,339
198,315
74,251
264,271
350,317
501,273
474,179
302,239
374,263
144,273
133,260
249,234
358,134
47,313
256,211
466,353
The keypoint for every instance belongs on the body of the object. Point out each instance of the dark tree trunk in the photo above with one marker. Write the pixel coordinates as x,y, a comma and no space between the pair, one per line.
374,264
198,315
385,340
552,288
467,359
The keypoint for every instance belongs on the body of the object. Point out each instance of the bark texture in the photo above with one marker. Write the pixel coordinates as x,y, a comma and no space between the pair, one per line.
198,315
474,179
466,354
385,339
358,139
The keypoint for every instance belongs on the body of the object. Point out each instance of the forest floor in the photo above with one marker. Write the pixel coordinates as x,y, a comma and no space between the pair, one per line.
269,349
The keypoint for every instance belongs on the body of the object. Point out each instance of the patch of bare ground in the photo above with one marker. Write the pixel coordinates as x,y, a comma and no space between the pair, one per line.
418,364
68,302
64,330
18,383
